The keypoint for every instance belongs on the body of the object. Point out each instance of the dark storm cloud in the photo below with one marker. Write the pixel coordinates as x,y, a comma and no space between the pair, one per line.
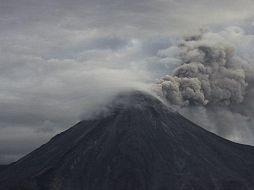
63,59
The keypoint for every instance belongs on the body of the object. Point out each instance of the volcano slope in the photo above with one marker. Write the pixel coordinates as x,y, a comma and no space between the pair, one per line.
141,145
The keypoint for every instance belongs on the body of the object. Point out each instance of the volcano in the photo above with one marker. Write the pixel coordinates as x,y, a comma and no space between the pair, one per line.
142,144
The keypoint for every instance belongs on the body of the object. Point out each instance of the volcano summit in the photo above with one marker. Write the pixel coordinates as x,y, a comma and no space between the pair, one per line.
141,145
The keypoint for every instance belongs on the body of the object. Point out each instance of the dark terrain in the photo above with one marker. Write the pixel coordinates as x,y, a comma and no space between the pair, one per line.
2,167
141,145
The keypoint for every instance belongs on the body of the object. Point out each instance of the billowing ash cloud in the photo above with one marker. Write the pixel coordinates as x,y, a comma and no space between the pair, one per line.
209,73
210,81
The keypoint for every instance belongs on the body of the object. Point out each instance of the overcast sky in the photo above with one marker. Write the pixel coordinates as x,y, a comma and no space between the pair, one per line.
61,60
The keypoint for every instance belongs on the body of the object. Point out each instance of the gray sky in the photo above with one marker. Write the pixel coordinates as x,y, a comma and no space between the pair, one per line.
62,60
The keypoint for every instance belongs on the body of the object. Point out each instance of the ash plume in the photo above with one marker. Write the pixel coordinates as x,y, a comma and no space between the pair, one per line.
212,82
210,73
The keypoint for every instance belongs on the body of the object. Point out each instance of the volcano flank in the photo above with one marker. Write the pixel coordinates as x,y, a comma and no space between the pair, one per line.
141,145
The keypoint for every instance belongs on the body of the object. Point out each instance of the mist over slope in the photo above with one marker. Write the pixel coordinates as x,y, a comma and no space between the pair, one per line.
142,144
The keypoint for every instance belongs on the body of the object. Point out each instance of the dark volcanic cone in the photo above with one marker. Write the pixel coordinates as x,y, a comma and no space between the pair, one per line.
141,145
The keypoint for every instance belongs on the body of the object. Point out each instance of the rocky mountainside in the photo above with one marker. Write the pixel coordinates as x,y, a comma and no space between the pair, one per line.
141,145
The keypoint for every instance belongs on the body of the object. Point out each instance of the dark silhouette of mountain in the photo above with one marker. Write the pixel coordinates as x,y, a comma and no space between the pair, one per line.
141,145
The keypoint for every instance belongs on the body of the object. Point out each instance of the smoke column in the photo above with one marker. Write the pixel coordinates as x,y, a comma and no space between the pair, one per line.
211,85
210,73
